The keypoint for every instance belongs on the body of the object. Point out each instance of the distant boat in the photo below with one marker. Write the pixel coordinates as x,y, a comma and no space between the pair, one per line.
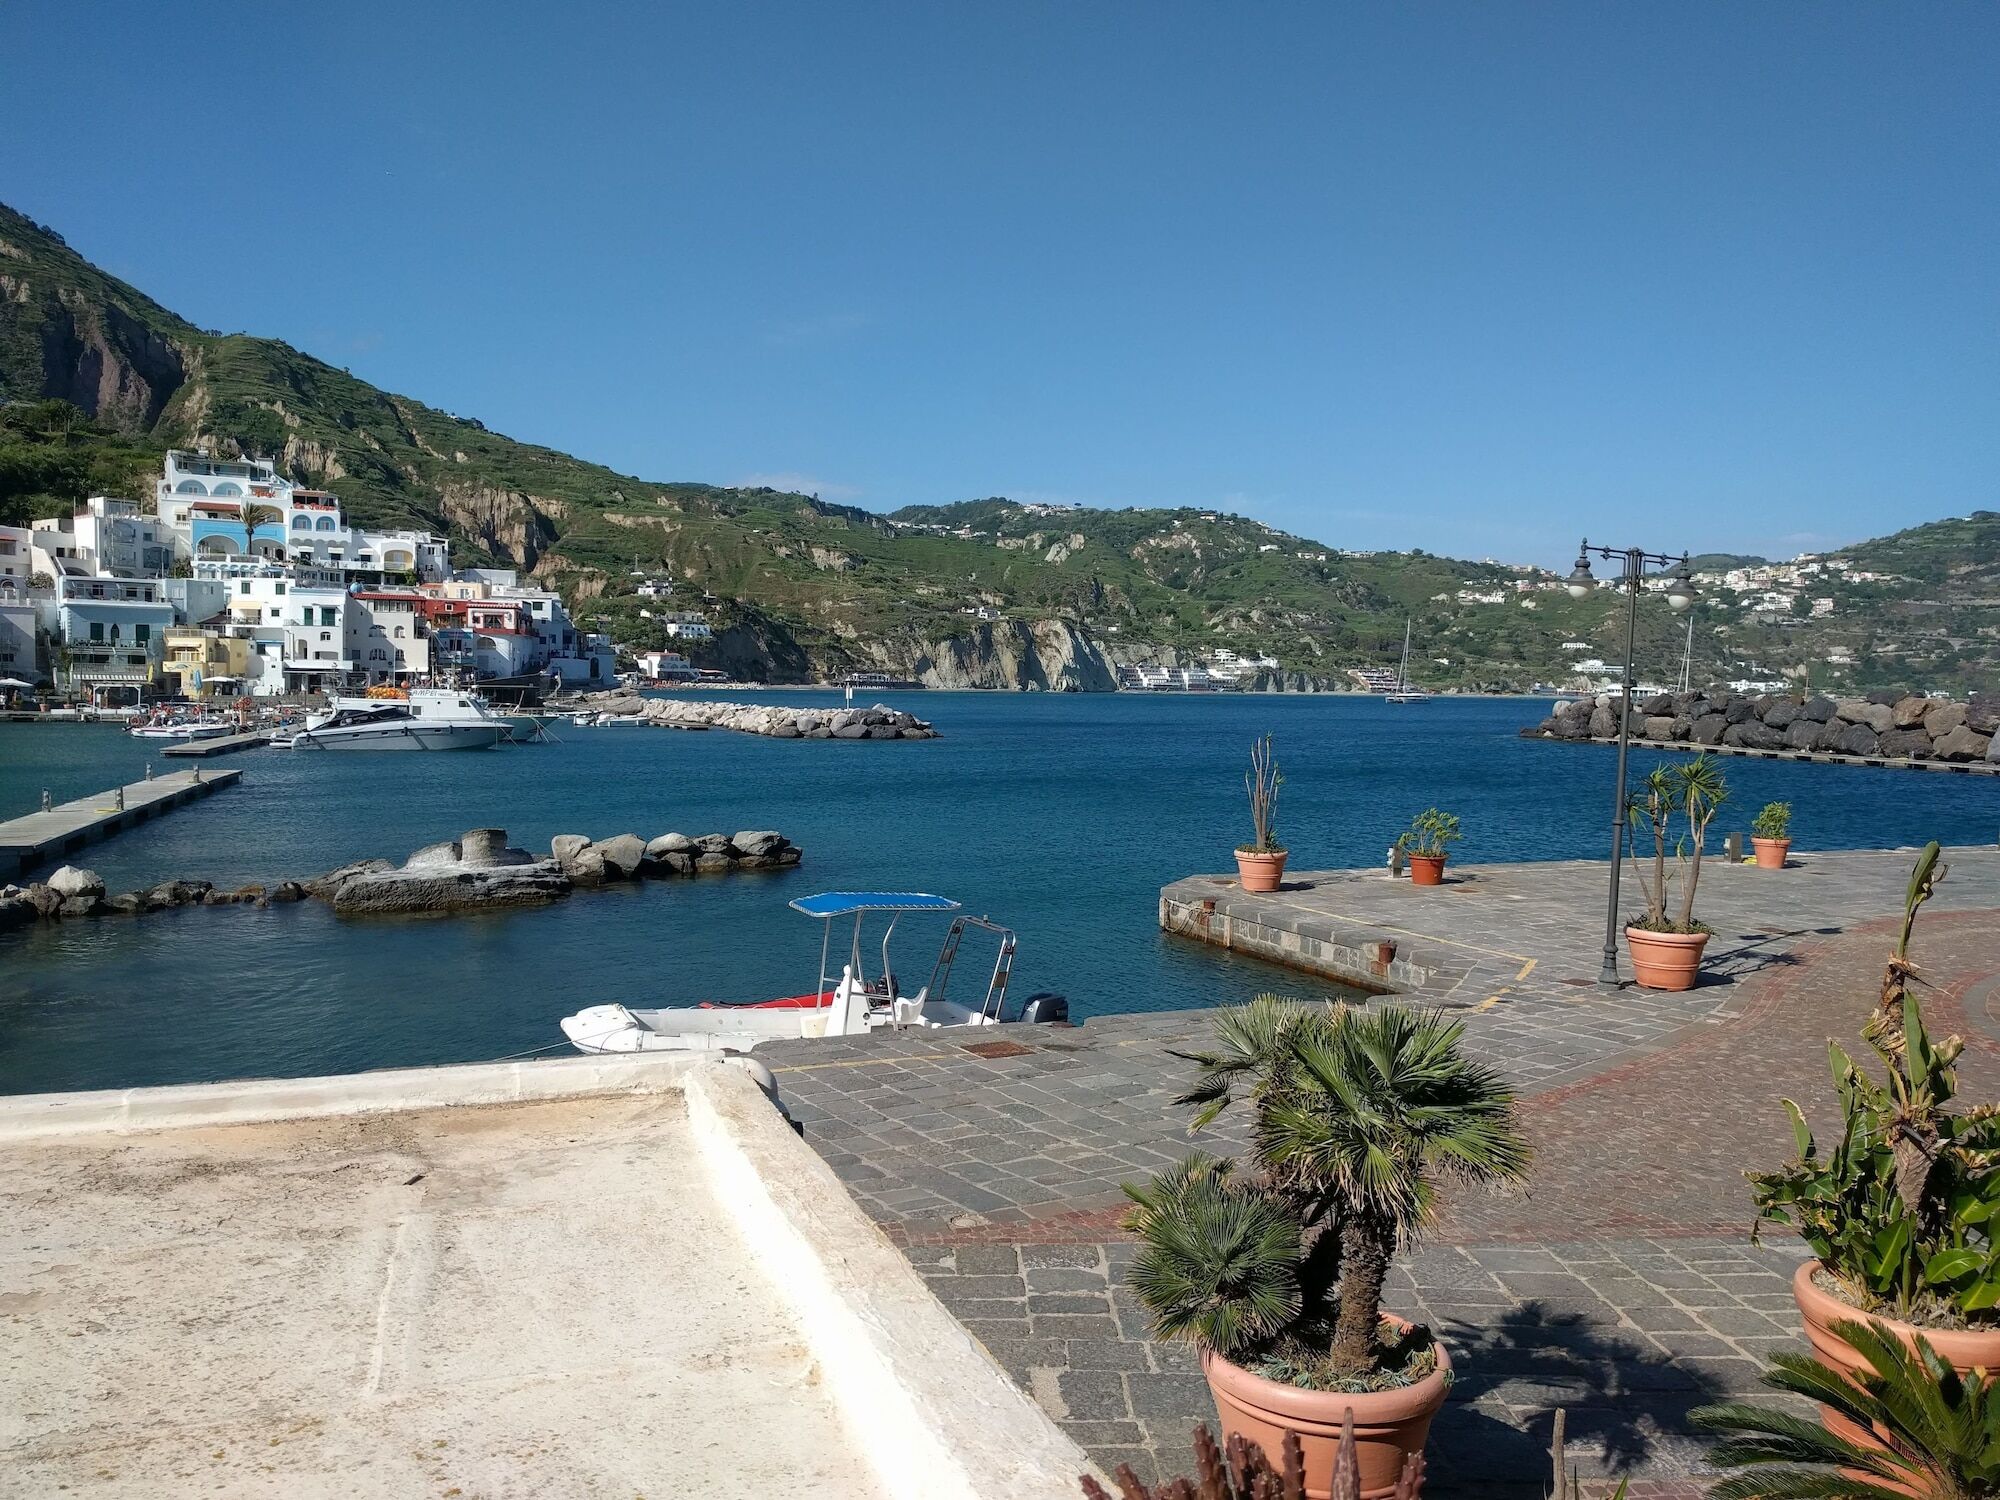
1404,693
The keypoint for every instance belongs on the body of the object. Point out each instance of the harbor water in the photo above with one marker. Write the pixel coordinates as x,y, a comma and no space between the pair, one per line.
1059,816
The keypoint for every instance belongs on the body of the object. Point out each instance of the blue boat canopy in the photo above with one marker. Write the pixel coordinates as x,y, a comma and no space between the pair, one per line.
846,903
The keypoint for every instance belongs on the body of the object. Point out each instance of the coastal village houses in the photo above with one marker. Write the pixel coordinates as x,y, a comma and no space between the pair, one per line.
117,603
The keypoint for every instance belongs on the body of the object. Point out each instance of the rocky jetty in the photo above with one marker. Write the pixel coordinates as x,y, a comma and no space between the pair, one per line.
476,872
771,720
1881,726
481,871
75,892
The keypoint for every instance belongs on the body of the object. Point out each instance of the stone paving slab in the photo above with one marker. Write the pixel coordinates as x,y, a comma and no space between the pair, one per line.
1620,1285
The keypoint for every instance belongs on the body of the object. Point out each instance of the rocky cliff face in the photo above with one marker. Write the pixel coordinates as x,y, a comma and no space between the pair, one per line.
1051,656
95,356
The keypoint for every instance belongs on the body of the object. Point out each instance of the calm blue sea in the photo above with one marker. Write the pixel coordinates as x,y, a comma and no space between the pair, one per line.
1060,816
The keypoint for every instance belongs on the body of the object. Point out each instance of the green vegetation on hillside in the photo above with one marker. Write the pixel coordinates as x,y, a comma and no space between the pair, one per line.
798,586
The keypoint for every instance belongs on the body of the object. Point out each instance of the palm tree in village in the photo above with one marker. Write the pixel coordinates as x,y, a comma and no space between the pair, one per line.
255,515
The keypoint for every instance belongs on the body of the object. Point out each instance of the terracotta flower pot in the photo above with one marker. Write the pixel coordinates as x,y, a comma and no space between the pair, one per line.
1665,960
1965,1349
1388,1425
1770,852
1427,869
1260,872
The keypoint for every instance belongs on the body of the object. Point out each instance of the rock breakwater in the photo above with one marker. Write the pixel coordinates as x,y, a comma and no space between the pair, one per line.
770,720
1881,726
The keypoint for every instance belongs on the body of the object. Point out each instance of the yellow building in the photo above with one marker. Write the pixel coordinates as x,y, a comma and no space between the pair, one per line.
205,664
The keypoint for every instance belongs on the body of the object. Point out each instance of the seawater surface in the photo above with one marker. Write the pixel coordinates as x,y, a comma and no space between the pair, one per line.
1060,816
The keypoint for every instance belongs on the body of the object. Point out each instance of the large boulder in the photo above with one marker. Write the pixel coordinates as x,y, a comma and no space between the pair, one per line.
1802,734
1780,713
757,841
1905,744
680,861
322,886
1962,744
1753,735
859,731
1943,718
1982,713
73,883
1820,710
712,843
1657,705
1910,711
565,847
713,864
1740,710
1880,717
1708,729
1828,737
435,889
668,843
1886,697
1858,739
1660,726
622,855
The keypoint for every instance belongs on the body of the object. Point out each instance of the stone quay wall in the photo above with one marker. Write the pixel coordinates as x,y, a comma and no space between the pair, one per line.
1880,727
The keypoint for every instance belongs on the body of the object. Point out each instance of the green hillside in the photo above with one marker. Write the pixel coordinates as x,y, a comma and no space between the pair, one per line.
96,378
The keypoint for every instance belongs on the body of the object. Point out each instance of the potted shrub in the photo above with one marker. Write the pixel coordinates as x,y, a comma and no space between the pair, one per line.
1771,835
1900,1215
1928,1430
1274,1268
1667,946
1427,844
1260,864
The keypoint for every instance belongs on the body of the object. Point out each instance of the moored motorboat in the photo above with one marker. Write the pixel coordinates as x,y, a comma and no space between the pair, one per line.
851,1005
421,719
206,727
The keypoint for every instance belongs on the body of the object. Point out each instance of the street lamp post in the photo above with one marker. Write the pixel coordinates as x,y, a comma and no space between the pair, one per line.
1635,563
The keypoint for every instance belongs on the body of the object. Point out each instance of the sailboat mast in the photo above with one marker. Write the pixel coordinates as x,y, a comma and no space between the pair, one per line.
1403,677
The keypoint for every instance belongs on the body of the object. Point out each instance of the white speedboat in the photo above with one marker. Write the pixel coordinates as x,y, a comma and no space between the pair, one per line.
424,719
206,727
852,1005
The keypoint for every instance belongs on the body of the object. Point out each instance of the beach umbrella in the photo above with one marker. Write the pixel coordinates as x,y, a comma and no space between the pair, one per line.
14,682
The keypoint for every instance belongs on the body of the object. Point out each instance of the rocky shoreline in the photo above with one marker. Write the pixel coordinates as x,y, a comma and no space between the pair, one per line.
770,720
1882,726
478,871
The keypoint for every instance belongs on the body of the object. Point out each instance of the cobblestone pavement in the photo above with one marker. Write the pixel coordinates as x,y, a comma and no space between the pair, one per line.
1620,1285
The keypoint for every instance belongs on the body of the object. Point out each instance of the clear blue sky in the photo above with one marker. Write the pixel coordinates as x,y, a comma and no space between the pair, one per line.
1472,277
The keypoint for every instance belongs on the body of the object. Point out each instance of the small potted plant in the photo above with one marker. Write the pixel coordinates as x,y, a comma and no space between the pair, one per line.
1667,947
1901,1215
1274,1268
1260,864
1771,835
1427,843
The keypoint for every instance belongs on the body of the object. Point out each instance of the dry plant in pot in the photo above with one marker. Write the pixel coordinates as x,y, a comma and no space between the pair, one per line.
1667,946
1901,1214
1274,1267
1260,864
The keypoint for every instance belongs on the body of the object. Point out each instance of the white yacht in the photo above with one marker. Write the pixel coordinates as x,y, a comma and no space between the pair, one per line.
421,719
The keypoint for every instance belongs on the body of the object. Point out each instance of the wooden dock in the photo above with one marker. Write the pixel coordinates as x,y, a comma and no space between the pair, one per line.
45,837
221,744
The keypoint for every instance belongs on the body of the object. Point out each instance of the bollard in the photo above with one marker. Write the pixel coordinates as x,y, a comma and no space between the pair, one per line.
149,770
46,803
121,799
1733,848
196,779
1396,861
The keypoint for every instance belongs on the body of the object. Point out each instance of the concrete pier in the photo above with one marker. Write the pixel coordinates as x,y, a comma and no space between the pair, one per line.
220,745
45,837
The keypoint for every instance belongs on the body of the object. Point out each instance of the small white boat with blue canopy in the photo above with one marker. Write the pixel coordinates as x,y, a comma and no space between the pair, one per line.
850,1003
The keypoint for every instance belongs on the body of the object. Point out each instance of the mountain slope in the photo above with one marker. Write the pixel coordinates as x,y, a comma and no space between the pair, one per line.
800,587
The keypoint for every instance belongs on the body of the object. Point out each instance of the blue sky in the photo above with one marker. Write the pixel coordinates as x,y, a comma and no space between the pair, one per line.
1471,277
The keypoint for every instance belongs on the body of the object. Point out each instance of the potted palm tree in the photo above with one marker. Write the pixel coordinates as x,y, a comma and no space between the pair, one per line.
1908,1423
1771,835
1427,843
1260,864
1667,946
1901,1214
1274,1267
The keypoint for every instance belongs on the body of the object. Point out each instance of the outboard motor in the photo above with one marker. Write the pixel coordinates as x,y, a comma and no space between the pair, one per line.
1045,1007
